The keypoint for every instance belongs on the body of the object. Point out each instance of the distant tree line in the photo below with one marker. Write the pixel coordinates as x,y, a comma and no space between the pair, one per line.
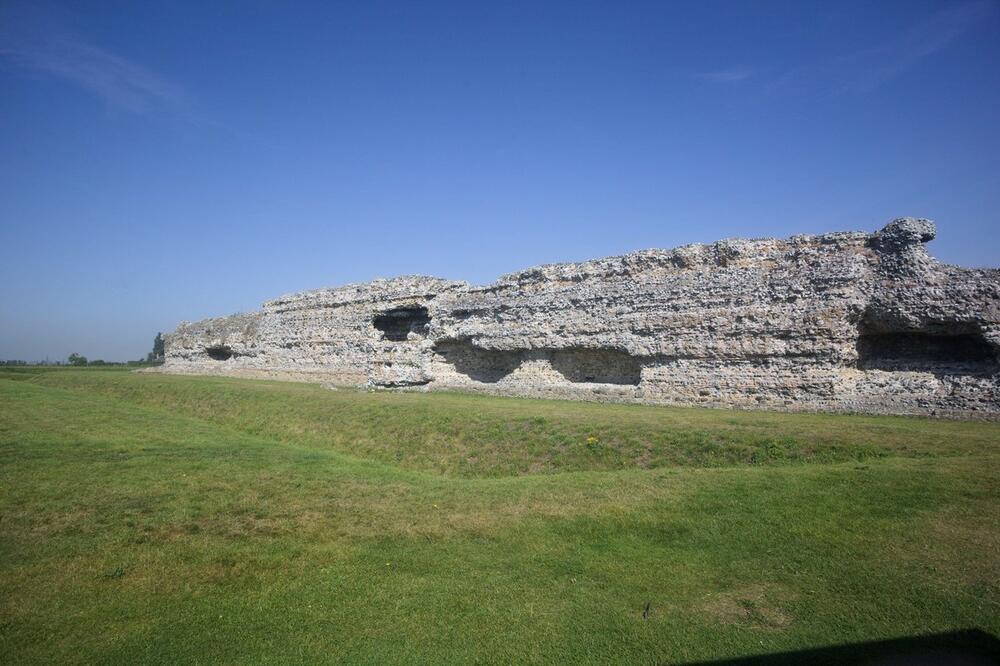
18,362
154,357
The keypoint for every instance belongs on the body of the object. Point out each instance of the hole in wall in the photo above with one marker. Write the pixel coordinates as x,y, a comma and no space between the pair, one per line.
397,324
937,352
219,353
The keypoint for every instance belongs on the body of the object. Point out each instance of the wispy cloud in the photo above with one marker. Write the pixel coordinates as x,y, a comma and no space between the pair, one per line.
868,69
730,75
865,70
873,67
33,43
121,83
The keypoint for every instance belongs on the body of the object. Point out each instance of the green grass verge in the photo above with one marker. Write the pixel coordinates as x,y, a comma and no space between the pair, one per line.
158,519
478,436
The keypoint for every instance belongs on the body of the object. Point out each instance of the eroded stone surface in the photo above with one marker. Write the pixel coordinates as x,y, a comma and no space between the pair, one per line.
839,322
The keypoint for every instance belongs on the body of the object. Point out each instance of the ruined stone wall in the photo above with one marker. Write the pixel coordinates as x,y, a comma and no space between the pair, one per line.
838,322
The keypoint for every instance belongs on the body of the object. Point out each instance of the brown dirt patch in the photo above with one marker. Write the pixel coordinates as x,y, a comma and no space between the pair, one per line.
752,606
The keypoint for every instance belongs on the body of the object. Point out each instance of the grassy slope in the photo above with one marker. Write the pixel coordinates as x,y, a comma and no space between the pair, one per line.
475,436
170,519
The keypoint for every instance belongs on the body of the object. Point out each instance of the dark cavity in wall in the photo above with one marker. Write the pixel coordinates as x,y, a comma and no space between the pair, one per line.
583,366
597,366
476,363
957,352
398,323
219,353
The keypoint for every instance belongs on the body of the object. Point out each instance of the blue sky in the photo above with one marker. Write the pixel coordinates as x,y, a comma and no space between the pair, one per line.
171,161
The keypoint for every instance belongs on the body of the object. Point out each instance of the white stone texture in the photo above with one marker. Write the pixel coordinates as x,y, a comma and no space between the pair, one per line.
838,322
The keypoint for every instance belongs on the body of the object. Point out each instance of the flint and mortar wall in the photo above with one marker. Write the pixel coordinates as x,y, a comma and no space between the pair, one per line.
838,322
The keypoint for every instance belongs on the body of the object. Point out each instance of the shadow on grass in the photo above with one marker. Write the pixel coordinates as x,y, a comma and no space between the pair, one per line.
959,648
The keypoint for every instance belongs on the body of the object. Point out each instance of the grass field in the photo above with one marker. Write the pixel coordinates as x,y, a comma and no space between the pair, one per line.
159,519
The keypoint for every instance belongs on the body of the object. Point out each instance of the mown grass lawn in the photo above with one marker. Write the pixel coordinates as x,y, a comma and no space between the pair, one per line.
158,519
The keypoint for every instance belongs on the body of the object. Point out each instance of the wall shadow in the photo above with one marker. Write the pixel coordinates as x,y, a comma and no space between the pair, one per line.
597,366
955,354
481,365
970,647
